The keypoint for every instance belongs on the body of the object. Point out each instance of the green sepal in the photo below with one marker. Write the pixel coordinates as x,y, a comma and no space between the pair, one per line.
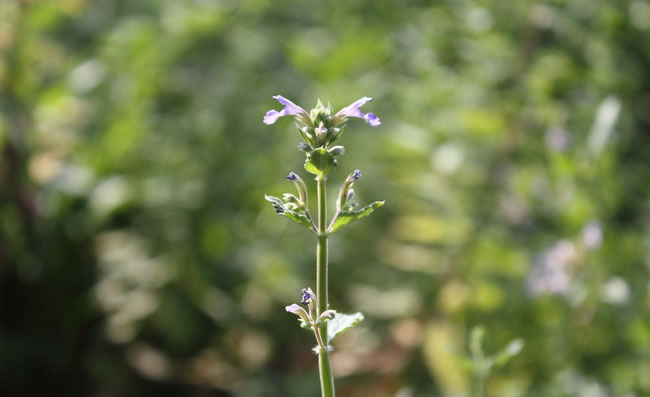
345,217
307,133
341,323
320,162
281,209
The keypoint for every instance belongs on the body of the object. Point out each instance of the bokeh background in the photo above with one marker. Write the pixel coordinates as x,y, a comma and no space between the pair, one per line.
138,256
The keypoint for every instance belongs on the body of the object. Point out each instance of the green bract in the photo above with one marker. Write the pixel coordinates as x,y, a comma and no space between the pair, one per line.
320,162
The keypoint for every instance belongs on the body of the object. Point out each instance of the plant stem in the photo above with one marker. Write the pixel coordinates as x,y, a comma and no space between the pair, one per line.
324,365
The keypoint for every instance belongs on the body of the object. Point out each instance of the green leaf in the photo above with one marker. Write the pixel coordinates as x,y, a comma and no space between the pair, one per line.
346,217
281,209
319,161
341,323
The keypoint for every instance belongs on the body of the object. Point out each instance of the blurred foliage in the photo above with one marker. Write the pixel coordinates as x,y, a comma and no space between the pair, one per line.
139,257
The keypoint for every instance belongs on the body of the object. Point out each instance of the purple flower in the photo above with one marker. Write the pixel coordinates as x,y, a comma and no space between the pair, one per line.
355,175
592,235
290,109
354,111
307,296
292,176
298,311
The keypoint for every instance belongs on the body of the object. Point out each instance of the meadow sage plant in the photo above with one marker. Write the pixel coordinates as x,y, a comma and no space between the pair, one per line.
319,129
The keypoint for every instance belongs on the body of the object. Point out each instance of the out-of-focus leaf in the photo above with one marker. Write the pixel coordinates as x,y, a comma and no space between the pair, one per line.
513,348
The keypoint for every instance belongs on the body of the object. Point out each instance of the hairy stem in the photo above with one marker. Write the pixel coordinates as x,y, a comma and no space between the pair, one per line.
324,364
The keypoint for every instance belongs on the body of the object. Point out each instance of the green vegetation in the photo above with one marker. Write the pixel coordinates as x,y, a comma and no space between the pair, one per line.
138,256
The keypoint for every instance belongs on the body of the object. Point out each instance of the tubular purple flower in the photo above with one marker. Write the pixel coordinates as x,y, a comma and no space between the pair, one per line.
298,311
354,111
307,296
290,109
292,176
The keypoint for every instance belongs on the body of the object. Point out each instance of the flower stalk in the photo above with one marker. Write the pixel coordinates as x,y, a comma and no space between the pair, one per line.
324,363
319,128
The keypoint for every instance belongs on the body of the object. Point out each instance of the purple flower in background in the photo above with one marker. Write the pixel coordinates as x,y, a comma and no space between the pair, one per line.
290,109
354,111
553,269
592,235
558,139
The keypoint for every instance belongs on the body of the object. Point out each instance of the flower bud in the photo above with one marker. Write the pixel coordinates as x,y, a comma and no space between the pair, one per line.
333,133
292,202
300,185
354,176
321,113
346,187
304,147
326,315
336,151
350,195
321,134
307,133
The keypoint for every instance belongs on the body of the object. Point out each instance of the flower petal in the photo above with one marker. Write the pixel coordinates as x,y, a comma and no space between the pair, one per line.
298,311
293,308
307,295
354,110
271,116
372,119
290,109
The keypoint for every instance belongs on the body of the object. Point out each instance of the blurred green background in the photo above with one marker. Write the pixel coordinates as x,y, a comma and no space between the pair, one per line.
138,256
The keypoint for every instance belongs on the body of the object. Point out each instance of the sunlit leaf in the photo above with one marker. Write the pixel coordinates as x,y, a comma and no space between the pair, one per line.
341,323
281,209
346,217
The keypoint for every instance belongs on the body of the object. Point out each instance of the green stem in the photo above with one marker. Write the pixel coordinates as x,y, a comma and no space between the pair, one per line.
324,365
479,384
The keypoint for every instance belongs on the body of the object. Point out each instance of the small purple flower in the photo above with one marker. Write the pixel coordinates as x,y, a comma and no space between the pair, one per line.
290,109
354,111
292,176
298,311
307,296
355,175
